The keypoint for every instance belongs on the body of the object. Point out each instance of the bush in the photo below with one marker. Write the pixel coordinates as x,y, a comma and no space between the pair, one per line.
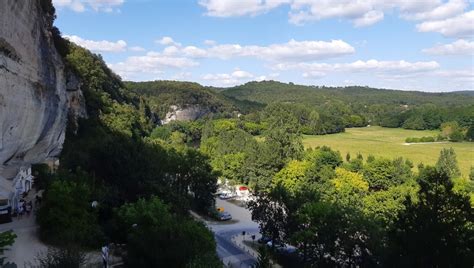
42,175
456,136
427,139
60,258
66,216
161,132
157,238
422,139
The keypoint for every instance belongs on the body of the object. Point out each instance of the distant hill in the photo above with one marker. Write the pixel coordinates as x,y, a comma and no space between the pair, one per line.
385,107
464,92
163,94
273,91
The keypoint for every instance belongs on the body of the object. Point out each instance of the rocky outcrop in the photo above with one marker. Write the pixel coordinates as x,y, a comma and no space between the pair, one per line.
35,89
188,113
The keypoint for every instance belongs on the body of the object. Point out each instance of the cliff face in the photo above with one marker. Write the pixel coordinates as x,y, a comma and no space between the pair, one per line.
35,89
188,113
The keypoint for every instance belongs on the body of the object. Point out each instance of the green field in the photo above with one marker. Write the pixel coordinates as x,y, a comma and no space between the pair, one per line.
389,142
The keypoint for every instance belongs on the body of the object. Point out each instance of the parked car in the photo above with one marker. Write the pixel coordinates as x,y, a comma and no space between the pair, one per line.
225,196
224,216
283,248
264,239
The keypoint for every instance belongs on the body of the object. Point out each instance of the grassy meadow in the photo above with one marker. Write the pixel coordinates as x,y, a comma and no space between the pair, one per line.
390,143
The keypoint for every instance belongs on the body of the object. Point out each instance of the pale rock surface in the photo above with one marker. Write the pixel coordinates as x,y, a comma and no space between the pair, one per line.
187,113
35,89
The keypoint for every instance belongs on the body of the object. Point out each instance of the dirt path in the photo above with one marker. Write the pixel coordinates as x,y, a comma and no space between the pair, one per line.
435,142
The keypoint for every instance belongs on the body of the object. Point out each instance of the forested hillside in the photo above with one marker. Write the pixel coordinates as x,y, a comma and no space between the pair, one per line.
108,160
163,94
390,108
335,107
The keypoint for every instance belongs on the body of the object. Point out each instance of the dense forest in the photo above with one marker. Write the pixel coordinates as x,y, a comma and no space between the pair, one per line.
320,110
141,189
163,94
388,108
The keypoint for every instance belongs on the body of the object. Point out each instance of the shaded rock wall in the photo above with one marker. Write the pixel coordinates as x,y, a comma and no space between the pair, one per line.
35,92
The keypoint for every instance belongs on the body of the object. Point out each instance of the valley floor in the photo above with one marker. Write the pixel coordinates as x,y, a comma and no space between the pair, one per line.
390,143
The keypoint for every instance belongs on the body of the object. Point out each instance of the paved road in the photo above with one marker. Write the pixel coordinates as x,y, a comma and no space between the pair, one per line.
26,245
223,232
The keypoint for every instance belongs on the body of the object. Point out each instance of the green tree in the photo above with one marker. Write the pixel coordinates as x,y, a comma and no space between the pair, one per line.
161,132
66,216
333,235
157,238
415,122
60,258
263,260
470,133
286,145
448,163
270,212
383,173
448,128
291,176
457,136
6,240
384,206
436,231
324,156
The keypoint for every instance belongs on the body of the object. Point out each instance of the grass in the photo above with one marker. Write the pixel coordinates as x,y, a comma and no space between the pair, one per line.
389,143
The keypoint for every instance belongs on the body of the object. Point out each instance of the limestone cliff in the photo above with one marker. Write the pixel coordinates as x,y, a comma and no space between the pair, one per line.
36,90
187,113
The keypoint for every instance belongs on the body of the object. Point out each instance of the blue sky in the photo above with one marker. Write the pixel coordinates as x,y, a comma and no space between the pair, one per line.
401,44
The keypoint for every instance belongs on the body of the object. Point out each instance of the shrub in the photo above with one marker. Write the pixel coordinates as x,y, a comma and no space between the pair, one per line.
59,258
158,238
422,139
66,215
427,139
456,136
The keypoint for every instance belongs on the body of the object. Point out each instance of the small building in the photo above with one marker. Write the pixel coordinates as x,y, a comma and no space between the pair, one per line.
12,191
242,191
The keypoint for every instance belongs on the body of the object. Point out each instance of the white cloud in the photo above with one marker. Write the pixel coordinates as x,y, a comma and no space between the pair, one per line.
228,79
231,8
459,47
171,50
137,48
267,77
387,68
460,76
210,42
443,11
290,51
96,5
183,76
98,46
369,18
360,13
462,25
167,41
194,52
236,77
178,56
188,51
150,64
